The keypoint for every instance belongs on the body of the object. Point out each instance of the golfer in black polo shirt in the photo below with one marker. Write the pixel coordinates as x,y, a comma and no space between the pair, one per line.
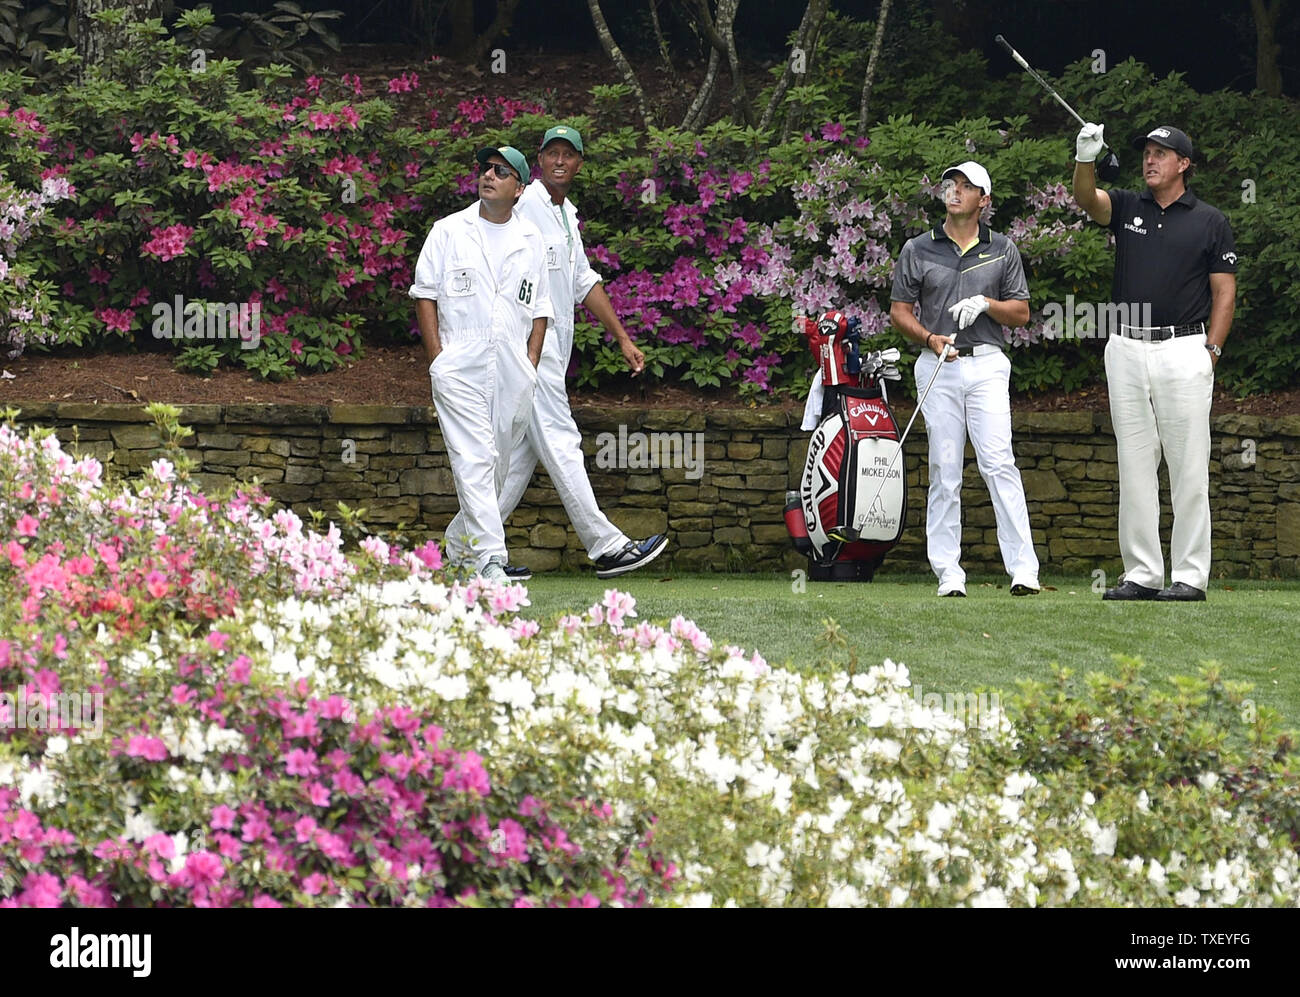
1175,264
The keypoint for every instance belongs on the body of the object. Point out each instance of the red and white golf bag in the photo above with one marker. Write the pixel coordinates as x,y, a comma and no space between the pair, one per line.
848,512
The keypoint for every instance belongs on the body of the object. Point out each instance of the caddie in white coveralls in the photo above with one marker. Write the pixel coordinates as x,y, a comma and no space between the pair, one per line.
552,435
483,305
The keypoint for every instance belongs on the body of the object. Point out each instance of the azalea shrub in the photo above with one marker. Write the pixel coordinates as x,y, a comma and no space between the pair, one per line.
309,199
329,728
30,309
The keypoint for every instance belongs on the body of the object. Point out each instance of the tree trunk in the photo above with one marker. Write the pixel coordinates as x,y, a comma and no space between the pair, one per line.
662,42
871,65
95,41
809,26
620,61
461,19
723,39
699,108
501,22
1268,75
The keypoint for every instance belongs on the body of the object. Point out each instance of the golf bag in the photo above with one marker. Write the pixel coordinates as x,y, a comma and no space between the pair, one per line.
847,514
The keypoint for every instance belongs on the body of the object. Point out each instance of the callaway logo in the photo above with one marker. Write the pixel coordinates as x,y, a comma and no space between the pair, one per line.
1230,258
1159,133
864,410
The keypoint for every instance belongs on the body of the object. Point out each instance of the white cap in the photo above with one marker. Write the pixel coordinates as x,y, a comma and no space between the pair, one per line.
974,172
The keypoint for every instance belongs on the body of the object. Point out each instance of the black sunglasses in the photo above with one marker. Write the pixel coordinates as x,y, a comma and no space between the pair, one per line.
502,171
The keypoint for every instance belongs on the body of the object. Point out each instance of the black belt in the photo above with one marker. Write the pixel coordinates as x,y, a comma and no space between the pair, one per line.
1159,333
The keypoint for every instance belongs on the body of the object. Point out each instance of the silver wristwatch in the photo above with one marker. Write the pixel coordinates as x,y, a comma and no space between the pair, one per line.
1216,350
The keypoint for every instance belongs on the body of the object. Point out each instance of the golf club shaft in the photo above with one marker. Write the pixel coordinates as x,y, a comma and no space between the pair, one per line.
1041,82
943,358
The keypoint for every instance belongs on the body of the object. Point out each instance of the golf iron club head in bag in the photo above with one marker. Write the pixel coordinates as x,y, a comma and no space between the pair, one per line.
1107,168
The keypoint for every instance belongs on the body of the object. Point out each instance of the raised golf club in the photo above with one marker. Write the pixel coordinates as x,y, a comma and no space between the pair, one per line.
1108,168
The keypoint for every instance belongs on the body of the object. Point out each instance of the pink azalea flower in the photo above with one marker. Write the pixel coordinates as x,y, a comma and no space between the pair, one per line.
168,243
223,818
203,869
301,762
156,584
240,669
149,748
833,131
27,526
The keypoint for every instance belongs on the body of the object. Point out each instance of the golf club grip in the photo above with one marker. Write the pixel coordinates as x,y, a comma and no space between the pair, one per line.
1011,51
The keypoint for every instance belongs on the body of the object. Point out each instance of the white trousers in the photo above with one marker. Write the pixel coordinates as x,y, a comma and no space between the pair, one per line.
1160,395
971,395
483,389
553,438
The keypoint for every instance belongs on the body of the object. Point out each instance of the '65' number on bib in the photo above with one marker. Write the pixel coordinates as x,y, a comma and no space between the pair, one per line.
526,291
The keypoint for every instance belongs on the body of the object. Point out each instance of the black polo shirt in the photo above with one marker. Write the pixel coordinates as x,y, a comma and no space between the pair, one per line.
1164,256
933,269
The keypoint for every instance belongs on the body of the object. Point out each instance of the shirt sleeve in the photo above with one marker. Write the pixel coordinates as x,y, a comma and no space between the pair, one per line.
1223,250
1014,285
584,277
428,269
542,303
907,277
1120,202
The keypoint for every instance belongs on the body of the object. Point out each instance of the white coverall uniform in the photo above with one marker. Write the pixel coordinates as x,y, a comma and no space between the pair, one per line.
482,381
552,435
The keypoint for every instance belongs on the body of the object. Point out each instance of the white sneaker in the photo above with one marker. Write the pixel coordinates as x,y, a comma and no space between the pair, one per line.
495,572
949,586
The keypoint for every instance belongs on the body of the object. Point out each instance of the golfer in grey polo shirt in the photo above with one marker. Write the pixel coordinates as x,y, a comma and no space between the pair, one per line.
968,282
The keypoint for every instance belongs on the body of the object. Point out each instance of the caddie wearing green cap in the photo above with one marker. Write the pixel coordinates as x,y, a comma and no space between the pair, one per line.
552,436
483,302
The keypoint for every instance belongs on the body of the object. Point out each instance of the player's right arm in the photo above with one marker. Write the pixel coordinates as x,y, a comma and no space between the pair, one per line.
904,294
902,318
425,291
1088,146
426,313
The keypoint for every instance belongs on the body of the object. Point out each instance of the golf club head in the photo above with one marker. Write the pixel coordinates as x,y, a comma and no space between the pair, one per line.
890,373
890,355
1108,168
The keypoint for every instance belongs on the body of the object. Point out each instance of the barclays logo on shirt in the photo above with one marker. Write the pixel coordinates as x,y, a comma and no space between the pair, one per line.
1136,225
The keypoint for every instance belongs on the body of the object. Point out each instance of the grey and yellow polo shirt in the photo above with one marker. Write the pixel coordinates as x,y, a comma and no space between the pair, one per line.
933,270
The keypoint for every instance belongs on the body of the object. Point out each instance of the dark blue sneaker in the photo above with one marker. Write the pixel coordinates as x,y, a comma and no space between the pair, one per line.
518,573
635,554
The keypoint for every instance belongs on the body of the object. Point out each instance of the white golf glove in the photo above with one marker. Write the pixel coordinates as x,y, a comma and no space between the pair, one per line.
965,311
1089,143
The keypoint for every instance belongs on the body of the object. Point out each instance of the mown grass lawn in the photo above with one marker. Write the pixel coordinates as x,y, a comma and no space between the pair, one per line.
988,640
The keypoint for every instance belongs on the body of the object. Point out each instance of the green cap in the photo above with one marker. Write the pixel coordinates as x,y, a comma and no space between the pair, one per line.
565,132
512,156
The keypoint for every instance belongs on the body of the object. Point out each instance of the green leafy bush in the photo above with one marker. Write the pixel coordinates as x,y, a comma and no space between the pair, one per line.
310,199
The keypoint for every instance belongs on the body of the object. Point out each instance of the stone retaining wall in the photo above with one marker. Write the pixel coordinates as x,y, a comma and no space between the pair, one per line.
727,513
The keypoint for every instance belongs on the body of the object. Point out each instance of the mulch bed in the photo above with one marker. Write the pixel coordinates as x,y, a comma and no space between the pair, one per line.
397,375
